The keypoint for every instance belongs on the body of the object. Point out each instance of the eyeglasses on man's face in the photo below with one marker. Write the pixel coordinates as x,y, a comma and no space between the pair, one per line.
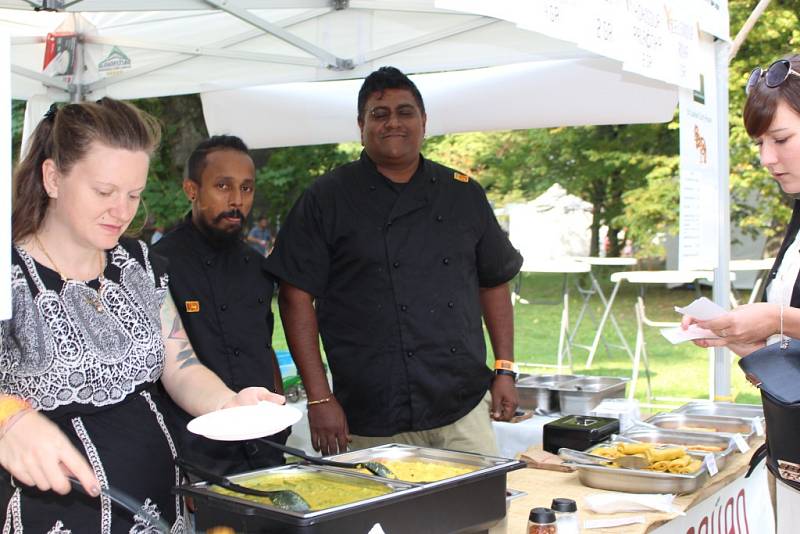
402,112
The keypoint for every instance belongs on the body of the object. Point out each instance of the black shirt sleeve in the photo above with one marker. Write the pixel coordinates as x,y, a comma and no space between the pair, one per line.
497,259
301,256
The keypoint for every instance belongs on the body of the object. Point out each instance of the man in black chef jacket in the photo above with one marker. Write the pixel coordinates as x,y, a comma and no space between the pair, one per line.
393,260
223,294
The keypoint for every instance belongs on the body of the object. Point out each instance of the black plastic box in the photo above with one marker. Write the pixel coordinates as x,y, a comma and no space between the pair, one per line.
578,432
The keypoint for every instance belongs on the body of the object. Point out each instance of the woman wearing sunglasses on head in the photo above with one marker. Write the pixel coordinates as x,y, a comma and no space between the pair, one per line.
772,119
93,329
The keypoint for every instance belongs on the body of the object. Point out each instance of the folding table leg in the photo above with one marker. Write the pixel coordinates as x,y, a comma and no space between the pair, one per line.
562,335
603,320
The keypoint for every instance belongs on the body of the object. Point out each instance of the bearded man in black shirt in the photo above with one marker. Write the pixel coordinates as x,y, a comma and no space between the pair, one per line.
223,294
394,260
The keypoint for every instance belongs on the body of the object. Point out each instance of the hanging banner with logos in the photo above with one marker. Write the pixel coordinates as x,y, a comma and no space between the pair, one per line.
697,245
5,170
741,507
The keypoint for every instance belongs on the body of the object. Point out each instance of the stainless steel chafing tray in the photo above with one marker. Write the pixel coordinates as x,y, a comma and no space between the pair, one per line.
539,392
640,480
705,424
466,503
582,395
685,439
723,409
479,464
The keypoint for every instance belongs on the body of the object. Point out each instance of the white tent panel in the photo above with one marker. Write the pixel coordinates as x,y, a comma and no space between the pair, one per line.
531,95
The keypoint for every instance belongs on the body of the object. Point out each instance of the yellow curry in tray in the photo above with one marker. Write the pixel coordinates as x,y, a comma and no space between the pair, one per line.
665,459
419,471
320,490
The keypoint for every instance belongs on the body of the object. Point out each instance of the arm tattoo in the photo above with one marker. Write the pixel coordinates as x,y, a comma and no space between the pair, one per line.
177,334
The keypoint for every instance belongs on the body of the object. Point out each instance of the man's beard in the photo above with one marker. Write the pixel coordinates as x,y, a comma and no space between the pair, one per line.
220,238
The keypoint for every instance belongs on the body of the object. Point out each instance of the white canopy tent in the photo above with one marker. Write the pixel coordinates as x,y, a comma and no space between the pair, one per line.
480,65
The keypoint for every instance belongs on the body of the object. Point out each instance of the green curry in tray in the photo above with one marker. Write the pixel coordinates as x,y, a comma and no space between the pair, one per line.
320,490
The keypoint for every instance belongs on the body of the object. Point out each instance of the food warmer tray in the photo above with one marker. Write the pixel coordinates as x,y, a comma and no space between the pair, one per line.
639,480
724,409
582,395
685,439
716,424
466,503
539,393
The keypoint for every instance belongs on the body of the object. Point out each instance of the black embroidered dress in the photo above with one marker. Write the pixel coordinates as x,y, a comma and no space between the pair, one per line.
86,355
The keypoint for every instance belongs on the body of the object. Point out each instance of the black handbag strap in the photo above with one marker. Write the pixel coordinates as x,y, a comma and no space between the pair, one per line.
758,456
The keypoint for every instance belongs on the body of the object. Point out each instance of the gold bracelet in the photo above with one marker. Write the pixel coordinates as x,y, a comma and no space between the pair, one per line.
319,401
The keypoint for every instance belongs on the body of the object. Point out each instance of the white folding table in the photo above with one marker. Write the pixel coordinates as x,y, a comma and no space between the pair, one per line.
564,266
587,294
644,278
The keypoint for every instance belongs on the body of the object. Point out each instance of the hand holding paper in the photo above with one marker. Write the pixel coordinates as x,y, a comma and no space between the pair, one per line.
703,309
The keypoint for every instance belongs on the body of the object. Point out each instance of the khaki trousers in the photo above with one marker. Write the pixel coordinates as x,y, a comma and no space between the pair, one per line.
471,433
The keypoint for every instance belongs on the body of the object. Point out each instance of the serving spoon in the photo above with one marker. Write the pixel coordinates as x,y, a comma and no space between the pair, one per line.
286,499
376,468
630,461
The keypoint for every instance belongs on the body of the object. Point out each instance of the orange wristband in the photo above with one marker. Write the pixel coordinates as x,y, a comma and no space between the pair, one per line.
319,401
10,405
506,365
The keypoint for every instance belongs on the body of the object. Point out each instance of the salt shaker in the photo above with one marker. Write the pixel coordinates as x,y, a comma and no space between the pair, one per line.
542,521
566,516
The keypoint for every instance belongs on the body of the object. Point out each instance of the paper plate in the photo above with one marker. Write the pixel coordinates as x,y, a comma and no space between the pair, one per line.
245,422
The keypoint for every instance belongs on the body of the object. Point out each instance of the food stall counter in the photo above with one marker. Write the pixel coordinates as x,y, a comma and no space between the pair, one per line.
542,486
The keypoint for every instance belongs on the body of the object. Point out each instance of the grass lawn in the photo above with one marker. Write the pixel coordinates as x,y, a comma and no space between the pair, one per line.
676,370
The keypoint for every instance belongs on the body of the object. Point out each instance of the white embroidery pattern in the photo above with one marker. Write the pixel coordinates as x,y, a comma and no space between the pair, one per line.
140,524
57,349
58,528
168,436
99,472
13,514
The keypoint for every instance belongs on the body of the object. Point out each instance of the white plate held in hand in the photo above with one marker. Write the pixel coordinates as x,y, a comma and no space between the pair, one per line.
245,422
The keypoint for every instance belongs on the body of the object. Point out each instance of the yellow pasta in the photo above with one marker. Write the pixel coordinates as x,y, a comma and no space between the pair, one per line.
634,448
683,461
670,453
659,466
692,467
607,452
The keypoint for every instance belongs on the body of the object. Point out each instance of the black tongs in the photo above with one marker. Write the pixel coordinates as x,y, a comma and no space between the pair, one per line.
286,499
376,468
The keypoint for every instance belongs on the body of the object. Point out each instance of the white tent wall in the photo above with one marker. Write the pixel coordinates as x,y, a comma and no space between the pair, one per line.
524,95
195,46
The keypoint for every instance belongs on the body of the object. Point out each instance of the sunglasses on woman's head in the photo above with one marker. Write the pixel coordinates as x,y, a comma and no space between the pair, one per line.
776,74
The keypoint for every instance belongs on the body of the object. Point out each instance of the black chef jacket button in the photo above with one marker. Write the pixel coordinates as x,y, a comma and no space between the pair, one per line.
396,264
446,261
410,354
223,307
236,352
452,349
247,259
208,263
439,218
388,224
403,307
372,188
433,179
261,300
450,304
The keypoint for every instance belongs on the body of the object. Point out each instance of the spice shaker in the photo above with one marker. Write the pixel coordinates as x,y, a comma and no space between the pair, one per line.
542,521
566,516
